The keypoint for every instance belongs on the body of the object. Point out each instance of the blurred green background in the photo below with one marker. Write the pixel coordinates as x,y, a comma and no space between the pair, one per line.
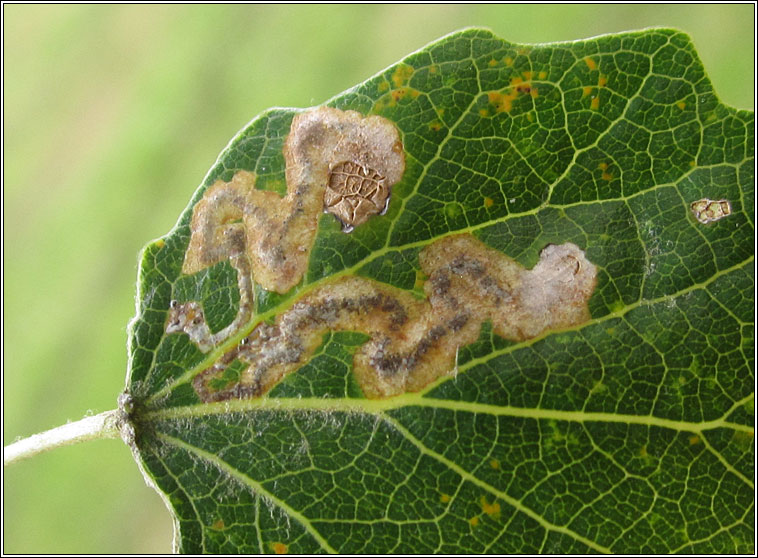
113,115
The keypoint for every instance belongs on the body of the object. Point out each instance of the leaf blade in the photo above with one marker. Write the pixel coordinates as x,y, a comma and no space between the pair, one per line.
570,396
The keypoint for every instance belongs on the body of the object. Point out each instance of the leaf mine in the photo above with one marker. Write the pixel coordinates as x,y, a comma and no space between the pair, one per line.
707,210
276,234
434,380
345,164
415,342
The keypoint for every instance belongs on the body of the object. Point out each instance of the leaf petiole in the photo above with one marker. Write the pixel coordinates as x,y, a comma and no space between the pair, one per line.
103,425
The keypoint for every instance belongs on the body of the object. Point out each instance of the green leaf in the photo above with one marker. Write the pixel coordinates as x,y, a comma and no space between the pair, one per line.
628,430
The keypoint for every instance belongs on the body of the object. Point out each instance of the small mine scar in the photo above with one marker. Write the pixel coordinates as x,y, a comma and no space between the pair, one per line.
708,211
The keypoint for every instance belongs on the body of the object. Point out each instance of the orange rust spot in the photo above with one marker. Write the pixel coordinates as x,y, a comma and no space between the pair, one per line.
522,51
218,524
744,436
414,92
543,75
484,113
489,509
591,64
516,80
603,166
402,74
508,61
444,498
530,116
492,63
681,105
693,163
502,101
602,81
495,464
433,69
435,126
607,176
441,112
595,103
586,91
694,440
474,521
160,243
534,93
488,202
383,86
527,75
279,548
398,94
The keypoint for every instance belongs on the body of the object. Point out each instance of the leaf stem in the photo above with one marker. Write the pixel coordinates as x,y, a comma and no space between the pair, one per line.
104,425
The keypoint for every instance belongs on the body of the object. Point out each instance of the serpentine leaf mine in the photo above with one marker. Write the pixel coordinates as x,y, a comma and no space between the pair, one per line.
345,164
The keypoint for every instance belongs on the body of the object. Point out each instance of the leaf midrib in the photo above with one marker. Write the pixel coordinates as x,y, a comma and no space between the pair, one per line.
379,406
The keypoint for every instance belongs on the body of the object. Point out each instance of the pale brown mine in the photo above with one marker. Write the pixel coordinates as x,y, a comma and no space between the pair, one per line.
346,164
277,233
